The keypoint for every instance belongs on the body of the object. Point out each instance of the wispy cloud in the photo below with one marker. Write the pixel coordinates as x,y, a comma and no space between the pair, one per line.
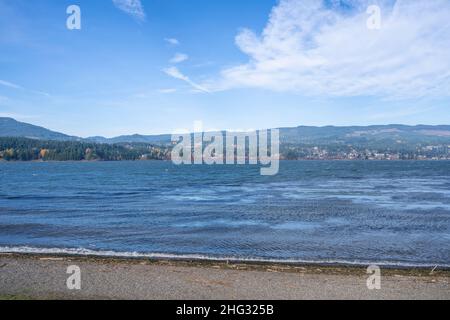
324,48
167,91
132,7
172,41
18,87
179,57
10,84
175,73
45,94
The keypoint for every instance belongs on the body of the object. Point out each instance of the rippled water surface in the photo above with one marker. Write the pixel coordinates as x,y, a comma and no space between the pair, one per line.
394,213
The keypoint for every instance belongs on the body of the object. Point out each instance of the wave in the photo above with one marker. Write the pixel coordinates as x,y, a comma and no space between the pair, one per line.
199,257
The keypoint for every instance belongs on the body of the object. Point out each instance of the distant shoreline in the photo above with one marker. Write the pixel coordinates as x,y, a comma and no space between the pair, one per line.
165,160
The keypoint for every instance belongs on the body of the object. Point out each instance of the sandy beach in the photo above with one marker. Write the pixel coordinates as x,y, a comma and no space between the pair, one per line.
44,277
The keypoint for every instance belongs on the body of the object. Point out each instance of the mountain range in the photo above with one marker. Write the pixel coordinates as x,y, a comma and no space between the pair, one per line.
393,133
10,127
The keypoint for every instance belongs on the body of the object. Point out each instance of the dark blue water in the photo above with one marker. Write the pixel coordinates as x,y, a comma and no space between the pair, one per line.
395,213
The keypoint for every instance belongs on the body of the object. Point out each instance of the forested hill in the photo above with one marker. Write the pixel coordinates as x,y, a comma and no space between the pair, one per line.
22,141
24,149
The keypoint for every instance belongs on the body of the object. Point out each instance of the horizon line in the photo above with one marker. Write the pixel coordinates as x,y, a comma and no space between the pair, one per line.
225,130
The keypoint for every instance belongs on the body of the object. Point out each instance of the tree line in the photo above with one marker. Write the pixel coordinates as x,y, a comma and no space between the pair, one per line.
24,149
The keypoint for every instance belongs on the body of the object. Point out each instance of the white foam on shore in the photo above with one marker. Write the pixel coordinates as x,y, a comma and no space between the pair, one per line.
114,254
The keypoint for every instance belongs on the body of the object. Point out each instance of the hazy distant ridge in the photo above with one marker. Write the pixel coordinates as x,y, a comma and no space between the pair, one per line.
12,128
297,135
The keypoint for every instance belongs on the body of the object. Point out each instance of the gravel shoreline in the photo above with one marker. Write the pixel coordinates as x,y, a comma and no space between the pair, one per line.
34,276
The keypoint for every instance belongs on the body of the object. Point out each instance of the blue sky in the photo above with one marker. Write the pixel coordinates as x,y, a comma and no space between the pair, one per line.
155,66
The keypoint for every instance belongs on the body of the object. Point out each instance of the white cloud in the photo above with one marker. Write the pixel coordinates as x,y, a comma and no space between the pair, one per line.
319,48
172,41
179,57
10,84
42,93
18,87
167,91
175,73
132,7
